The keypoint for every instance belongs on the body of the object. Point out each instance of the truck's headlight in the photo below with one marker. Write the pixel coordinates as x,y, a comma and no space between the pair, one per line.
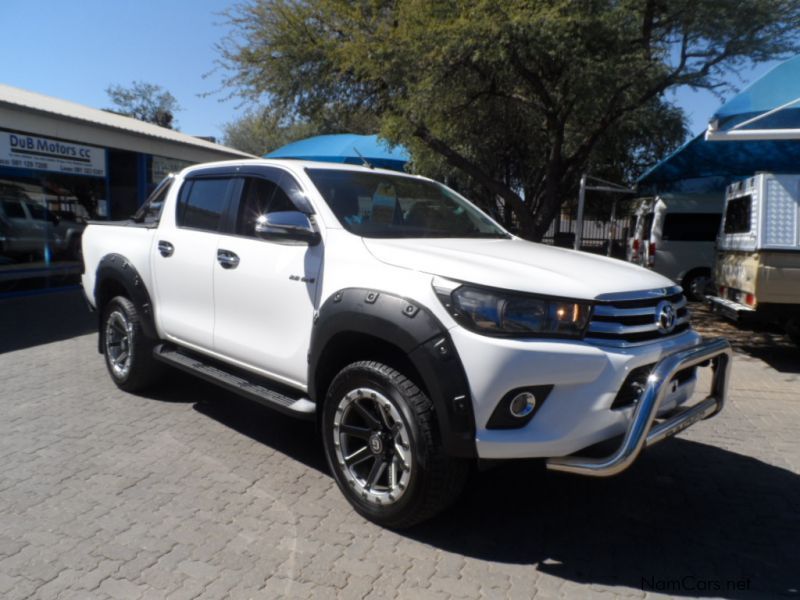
497,312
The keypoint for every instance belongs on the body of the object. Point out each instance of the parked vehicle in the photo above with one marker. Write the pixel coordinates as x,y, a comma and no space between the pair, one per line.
642,222
418,333
675,236
28,228
758,260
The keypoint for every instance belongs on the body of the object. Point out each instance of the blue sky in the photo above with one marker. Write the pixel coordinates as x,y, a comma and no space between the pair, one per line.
75,49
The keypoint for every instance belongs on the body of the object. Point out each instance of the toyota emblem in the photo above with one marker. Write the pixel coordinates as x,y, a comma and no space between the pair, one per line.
665,316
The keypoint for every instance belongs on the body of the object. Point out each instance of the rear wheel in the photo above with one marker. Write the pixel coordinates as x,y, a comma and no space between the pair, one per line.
128,351
696,285
383,447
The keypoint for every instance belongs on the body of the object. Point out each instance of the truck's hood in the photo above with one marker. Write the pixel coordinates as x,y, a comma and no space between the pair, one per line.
517,265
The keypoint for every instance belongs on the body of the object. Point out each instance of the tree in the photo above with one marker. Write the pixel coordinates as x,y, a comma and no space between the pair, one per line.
519,97
144,101
265,129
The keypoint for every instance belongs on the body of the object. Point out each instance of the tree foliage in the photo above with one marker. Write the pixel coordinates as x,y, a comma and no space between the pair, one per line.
144,101
264,129
517,98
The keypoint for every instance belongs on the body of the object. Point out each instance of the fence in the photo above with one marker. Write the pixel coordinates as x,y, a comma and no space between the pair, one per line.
598,234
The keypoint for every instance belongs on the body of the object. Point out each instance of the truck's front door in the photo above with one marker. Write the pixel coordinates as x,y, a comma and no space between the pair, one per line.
184,256
265,291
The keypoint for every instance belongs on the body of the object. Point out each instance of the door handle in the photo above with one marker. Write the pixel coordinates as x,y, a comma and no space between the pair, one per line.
227,259
165,248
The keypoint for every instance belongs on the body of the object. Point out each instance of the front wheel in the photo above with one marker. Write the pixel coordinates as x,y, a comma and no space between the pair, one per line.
127,349
383,447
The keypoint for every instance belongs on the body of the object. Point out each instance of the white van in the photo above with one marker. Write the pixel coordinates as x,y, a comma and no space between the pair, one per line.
675,236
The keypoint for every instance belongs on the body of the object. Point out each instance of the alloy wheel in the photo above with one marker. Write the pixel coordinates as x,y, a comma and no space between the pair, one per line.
373,446
119,337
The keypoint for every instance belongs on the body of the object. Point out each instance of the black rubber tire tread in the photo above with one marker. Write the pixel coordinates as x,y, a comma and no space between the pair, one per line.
440,477
688,284
145,370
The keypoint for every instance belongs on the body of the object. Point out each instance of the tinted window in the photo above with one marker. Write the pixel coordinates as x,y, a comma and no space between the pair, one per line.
260,196
37,211
394,206
13,209
691,227
203,205
737,215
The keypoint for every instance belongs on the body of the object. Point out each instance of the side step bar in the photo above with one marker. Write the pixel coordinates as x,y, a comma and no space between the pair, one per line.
236,381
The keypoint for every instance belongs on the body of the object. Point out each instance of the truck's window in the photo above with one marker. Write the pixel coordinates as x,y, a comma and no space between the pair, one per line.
150,212
13,209
204,204
737,215
260,196
691,227
394,206
37,211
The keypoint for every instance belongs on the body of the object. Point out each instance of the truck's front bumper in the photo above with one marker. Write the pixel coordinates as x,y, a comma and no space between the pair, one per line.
643,429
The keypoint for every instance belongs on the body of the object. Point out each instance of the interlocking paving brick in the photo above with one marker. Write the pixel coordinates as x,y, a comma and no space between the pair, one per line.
190,492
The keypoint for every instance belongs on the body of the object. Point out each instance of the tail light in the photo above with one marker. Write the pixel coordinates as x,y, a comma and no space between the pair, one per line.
651,254
750,300
636,246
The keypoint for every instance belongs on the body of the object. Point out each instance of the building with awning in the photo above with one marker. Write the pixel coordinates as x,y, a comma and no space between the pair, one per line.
63,163
108,161
761,128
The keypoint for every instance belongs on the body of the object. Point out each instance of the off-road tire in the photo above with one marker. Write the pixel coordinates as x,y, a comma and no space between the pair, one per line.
435,479
143,370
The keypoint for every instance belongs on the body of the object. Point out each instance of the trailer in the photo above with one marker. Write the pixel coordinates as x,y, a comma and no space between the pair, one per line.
757,270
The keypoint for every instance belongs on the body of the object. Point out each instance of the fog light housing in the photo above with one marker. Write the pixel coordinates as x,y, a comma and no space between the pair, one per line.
518,406
522,405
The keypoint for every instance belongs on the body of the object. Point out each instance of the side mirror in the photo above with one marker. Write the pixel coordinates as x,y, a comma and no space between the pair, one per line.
286,225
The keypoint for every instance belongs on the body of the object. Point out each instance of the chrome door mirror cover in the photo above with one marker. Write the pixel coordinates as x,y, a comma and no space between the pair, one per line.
286,225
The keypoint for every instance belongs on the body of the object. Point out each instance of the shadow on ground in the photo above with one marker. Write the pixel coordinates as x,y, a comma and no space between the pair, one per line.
765,342
688,519
27,321
291,436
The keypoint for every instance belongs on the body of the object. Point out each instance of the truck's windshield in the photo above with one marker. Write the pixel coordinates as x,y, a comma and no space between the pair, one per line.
394,206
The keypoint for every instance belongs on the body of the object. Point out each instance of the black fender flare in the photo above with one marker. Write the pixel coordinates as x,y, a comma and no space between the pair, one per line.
119,270
414,330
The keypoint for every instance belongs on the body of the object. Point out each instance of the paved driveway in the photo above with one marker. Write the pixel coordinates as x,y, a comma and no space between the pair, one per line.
194,493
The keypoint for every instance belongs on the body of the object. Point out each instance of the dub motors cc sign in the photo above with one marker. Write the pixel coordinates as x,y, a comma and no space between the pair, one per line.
24,151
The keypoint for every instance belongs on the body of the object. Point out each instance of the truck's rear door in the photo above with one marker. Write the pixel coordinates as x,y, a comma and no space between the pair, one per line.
184,255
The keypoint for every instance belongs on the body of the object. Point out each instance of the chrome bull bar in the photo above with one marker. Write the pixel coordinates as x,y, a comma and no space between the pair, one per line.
641,431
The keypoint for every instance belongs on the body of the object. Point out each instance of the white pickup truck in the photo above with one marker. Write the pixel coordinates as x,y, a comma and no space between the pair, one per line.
418,333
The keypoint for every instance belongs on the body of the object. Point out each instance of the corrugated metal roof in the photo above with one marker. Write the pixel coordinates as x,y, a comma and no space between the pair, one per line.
72,110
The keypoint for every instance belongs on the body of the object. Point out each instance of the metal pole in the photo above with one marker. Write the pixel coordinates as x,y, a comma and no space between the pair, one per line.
579,224
613,231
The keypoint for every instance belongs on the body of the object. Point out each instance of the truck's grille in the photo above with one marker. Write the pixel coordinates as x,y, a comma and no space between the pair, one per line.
637,317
